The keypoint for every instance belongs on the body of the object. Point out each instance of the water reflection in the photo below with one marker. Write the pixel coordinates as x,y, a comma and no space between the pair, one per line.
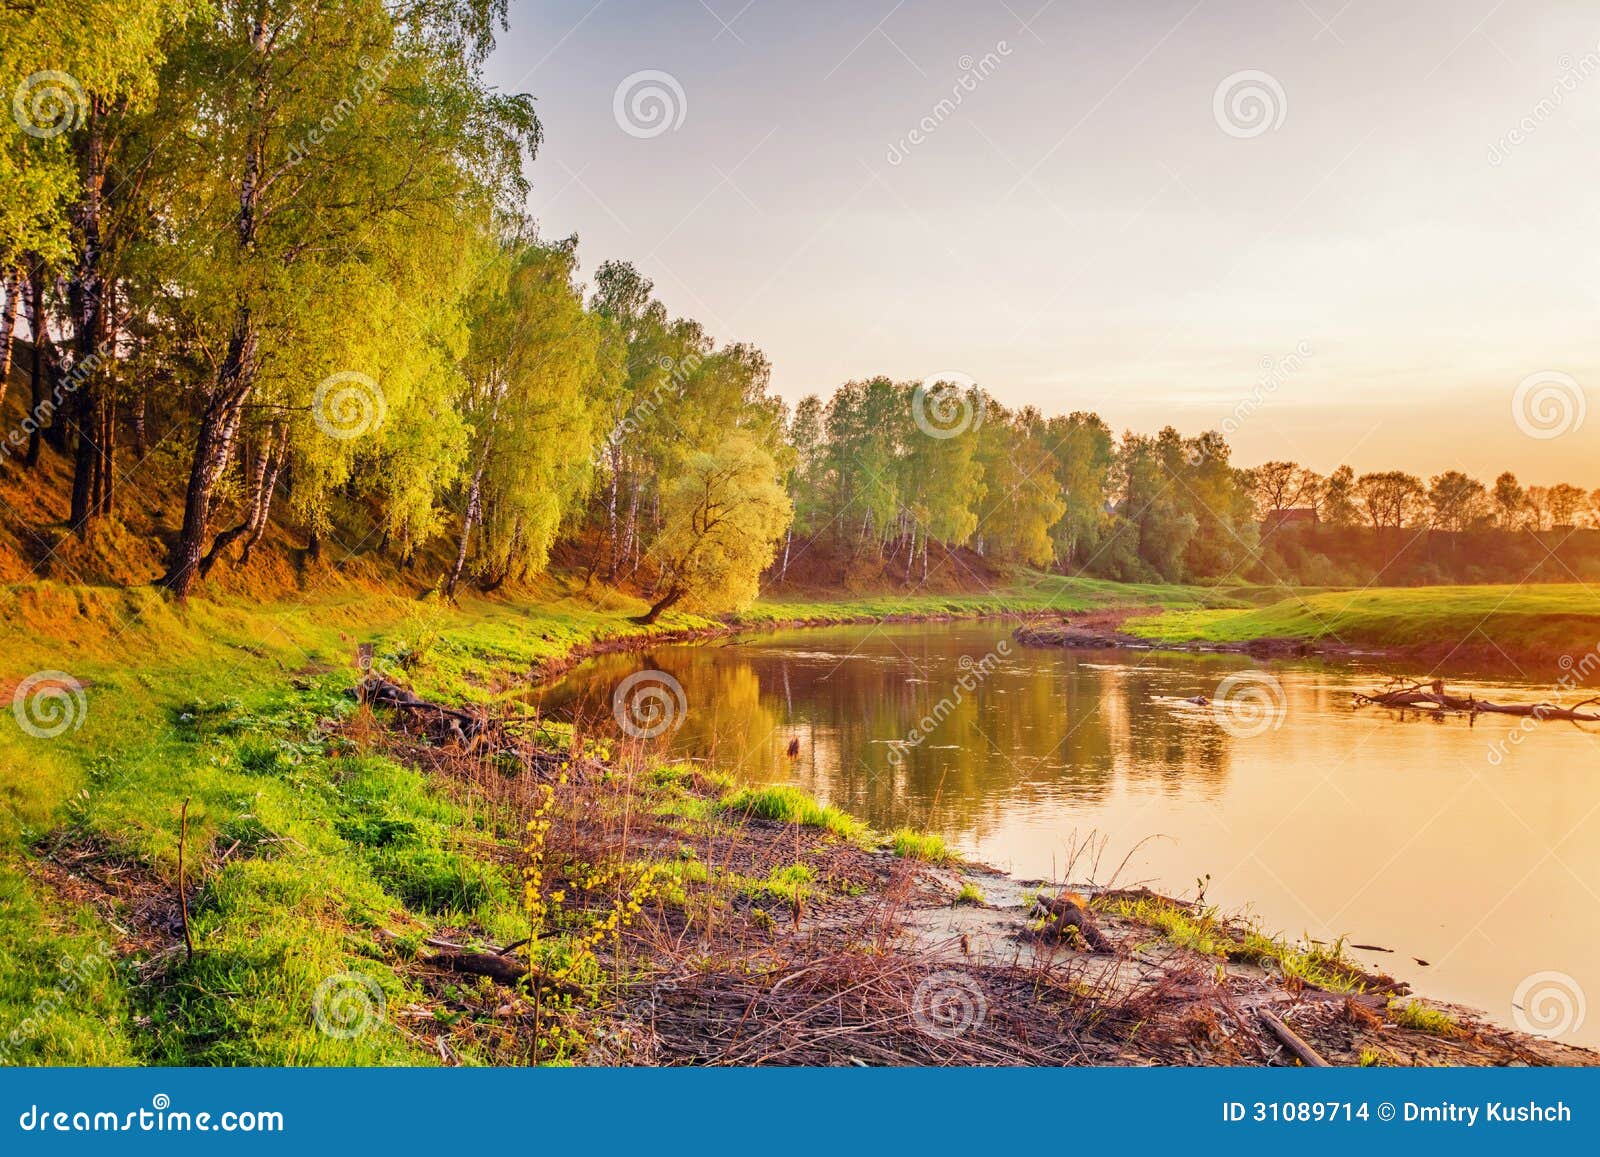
1393,831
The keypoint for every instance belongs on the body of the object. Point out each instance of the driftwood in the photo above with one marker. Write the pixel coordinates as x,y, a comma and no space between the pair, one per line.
1069,910
1292,1040
442,723
496,963
1433,696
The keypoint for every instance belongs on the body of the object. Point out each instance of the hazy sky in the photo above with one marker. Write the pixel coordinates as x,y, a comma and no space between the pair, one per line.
1405,225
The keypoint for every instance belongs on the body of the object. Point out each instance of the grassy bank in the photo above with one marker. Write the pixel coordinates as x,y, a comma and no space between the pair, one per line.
301,843
1539,622
1028,593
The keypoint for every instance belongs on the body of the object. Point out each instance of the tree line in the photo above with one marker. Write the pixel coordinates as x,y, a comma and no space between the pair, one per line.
883,469
281,246
275,254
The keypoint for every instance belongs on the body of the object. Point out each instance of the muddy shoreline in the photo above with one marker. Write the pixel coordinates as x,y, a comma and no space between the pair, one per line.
754,940
1191,1007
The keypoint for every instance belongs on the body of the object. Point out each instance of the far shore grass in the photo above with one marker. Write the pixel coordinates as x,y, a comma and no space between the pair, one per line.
1554,619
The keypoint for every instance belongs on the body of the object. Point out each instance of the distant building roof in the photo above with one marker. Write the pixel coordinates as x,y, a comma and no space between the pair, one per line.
1289,516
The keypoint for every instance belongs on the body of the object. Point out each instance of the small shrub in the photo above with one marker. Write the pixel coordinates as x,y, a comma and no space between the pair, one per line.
1424,1019
790,805
926,846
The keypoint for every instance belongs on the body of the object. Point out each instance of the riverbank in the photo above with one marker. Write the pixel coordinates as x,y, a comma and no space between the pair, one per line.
346,881
1540,627
127,705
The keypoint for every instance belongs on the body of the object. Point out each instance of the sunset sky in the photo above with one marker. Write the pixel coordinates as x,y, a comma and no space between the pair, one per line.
1089,227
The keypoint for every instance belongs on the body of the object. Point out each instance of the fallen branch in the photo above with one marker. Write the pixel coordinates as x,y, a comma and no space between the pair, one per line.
442,722
1292,1041
1434,697
506,970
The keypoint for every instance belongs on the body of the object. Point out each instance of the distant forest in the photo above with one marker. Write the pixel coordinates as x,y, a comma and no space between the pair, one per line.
267,271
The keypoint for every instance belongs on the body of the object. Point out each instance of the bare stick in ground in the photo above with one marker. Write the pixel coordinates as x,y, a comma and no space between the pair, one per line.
183,891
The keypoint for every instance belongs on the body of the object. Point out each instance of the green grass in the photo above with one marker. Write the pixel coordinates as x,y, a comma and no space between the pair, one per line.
1545,619
1028,591
1206,933
970,894
791,805
926,846
791,882
1424,1019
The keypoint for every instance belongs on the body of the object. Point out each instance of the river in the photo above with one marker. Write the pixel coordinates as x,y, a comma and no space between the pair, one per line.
1445,842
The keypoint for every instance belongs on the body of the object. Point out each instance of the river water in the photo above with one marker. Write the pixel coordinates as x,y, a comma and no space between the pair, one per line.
1445,842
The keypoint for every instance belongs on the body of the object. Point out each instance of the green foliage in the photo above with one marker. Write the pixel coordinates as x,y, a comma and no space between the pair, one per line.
1413,1014
724,516
1205,932
791,805
926,846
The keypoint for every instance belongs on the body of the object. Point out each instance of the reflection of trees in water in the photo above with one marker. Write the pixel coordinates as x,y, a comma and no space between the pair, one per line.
1040,725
